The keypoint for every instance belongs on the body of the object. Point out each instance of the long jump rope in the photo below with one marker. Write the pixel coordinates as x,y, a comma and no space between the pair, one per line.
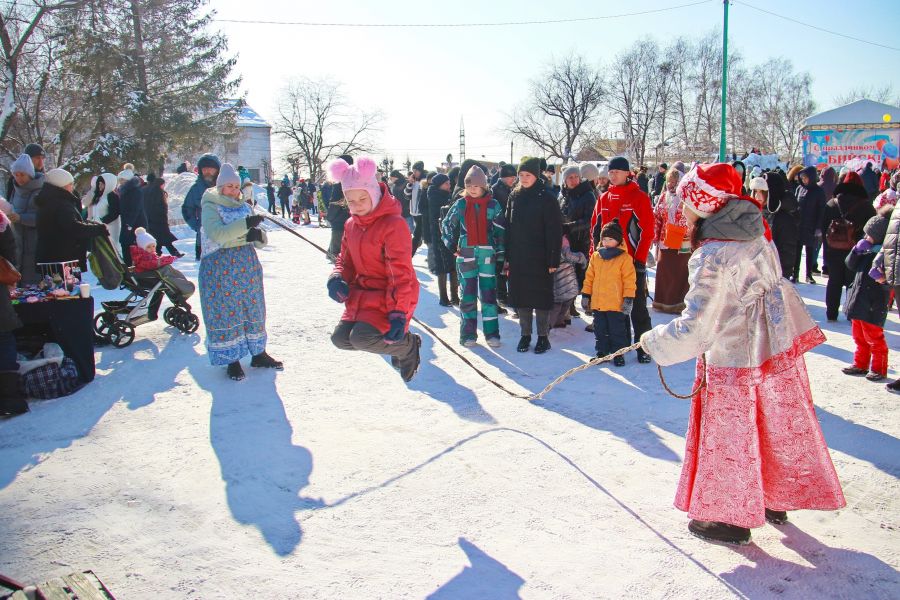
541,442
530,397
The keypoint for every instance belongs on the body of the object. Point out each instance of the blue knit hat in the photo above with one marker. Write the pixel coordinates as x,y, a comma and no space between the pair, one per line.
23,164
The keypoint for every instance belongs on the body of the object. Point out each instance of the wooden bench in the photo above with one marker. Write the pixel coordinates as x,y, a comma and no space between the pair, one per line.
75,586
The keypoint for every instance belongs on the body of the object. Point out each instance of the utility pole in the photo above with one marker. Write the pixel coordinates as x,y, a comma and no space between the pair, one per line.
724,82
510,152
462,141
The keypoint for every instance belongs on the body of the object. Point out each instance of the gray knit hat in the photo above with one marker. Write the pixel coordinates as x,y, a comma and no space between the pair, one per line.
572,170
876,228
227,175
589,171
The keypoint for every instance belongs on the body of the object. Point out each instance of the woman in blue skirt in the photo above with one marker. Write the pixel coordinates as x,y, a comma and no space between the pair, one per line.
231,279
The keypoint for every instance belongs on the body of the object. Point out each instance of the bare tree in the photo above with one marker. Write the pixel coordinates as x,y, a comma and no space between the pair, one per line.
319,124
565,102
885,94
17,26
638,84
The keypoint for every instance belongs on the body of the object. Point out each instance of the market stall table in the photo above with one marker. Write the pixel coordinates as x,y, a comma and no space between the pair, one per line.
68,322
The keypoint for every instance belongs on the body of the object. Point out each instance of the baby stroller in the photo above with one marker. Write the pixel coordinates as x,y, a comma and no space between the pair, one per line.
145,292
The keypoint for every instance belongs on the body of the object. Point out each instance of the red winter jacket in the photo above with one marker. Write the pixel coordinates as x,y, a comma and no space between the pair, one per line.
144,261
632,208
376,262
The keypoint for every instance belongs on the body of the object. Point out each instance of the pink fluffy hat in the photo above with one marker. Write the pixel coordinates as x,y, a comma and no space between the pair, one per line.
358,176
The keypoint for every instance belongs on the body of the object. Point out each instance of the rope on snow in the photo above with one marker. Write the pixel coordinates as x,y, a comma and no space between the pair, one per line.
531,398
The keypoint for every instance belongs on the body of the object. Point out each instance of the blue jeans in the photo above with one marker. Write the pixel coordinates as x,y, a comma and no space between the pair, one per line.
612,331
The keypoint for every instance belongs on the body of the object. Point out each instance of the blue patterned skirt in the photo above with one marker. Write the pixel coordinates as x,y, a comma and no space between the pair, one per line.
233,302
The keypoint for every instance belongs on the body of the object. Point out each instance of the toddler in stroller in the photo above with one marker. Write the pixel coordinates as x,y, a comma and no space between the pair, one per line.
153,277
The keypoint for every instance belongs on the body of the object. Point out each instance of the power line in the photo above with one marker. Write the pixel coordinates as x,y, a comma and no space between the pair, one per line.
822,29
444,25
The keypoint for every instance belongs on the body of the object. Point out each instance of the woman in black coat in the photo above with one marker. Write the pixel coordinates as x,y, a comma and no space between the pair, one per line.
851,202
62,233
533,243
337,215
784,220
156,205
577,205
441,261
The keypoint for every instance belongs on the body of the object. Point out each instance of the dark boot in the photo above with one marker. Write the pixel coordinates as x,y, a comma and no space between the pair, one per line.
713,531
442,290
264,361
235,372
410,364
643,357
454,289
776,517
524,344
12,402
543,344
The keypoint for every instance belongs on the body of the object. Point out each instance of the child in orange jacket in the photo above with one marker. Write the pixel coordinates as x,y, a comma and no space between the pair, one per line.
608,292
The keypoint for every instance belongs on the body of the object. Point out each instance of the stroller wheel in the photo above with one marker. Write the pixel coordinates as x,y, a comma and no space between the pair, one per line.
123,334
104,324
168,315
188,323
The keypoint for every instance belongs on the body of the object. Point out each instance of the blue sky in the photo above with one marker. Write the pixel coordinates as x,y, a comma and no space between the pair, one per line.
425,78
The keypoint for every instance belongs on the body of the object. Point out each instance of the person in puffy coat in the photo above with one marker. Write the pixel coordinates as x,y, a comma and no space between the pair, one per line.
26,185
850,202
102,200
12,401
474,230
373,274
811,203
156,205
888,260
232,295
62,234
441,260
577,202
208,167
780,210
566,285
533,242
867,302
754,448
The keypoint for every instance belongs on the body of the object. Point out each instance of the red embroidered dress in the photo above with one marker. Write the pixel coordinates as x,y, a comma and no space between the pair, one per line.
753,441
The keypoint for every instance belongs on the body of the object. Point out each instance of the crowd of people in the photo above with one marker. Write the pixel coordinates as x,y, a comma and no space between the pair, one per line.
520,247
726,244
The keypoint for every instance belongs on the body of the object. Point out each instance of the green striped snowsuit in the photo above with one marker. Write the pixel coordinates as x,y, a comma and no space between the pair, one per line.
475,266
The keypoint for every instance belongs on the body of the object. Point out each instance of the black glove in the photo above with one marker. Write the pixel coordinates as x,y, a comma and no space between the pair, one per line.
338,290
254,234
398,327
254,221
627,305
586,302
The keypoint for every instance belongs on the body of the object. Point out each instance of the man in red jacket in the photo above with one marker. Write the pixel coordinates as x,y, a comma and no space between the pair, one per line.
624,201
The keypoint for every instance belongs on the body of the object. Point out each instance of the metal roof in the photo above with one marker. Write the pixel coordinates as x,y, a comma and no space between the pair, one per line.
861,112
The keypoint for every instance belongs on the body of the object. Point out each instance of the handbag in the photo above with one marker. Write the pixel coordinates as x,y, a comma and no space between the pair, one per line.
9,275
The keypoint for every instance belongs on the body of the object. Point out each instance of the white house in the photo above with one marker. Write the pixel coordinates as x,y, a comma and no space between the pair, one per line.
251,147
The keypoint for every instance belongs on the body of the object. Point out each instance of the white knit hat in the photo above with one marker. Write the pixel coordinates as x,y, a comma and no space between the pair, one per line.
59,177
758,183
143,238
126,174
23,164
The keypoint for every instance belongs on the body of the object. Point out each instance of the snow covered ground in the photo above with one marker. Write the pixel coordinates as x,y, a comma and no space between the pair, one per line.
334,479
